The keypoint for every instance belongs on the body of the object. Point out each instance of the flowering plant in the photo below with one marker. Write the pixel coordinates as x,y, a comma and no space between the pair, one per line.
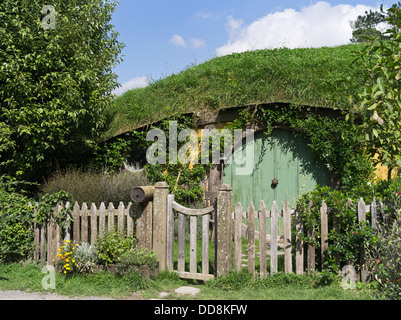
65,260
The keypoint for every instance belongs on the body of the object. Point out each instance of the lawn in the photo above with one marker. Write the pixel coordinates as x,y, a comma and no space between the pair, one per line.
236,286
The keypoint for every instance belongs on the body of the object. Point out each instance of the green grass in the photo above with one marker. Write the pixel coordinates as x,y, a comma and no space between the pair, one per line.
235,286
301,76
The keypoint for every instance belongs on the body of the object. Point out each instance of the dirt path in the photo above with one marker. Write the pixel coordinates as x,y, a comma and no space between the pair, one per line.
21,295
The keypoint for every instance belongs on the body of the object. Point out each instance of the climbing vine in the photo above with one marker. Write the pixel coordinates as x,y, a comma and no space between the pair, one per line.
331,139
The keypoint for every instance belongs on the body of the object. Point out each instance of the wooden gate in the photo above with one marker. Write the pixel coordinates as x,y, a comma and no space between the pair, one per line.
155,224
184,213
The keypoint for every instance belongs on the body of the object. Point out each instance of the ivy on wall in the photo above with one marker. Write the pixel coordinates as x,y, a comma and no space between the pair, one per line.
330,138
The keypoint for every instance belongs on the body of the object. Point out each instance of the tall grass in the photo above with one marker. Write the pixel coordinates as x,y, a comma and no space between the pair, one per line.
93,186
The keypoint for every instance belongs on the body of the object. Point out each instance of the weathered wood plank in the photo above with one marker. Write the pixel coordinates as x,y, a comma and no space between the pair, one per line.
193,224
299,254
273,239
93,214
251,238
373,213
84,223
224,230
160,222
324,230
237,236
181,242
287,237
195,276
76,223
170,233
110,217
67,235
262,239
192,212
361,210
120,217
130,220
102,219
205,244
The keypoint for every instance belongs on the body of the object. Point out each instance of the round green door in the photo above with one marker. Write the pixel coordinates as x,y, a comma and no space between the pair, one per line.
282,157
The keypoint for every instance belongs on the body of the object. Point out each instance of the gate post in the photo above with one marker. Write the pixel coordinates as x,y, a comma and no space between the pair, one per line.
160,223
223,256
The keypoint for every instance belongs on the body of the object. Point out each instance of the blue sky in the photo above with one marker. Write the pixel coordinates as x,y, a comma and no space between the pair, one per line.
165,36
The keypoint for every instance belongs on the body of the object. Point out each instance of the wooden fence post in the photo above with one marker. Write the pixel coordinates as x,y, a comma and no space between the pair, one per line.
160,223
299,255
262,238
238,236
251,238
324,232
273,238
224,230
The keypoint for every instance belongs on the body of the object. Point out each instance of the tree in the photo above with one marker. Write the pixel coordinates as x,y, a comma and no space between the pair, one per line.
365,26
378,117
56,80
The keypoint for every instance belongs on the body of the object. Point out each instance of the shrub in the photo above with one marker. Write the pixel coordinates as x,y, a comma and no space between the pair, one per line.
385,253
85,256
112,245
346,245
93,186
16,217
136,258
65,259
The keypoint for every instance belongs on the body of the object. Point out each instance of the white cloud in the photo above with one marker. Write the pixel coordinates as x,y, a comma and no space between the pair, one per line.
315,26
197,43
178,41
139,82
194,42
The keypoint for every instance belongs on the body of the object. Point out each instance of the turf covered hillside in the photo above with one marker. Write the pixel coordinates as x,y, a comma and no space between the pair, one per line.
301,76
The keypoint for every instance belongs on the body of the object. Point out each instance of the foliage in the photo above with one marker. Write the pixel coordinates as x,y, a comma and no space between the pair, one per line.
85,256
378,116
112,245
238,280
55,84
365,26
347,238
46,205
330,139
65,259
93,186
385,254
16,218
137,257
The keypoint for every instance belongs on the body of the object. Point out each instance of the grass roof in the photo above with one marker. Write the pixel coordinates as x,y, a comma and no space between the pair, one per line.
300,76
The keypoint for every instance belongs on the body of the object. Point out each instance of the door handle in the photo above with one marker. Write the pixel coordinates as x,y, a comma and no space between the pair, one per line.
274,183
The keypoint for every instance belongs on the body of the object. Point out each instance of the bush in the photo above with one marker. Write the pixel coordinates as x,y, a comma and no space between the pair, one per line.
386,252
135,259
112,245
65,259
16,218
85,257
93,186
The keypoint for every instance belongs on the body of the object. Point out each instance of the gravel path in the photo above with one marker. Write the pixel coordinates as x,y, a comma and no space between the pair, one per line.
21,295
